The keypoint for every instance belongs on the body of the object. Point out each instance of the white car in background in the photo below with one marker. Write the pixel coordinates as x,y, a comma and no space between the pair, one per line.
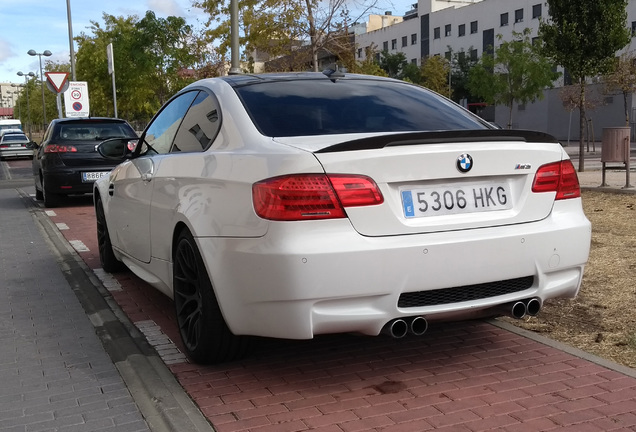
293,205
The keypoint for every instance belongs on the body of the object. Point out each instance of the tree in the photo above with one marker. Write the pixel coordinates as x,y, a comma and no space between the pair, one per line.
583,36
155,52
393,64
279,27
461,65
623,78
517,72
434,71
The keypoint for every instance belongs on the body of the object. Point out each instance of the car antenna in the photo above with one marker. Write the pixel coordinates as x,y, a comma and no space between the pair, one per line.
334,74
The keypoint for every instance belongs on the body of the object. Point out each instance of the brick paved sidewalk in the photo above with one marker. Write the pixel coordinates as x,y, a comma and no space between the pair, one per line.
54,372
470,376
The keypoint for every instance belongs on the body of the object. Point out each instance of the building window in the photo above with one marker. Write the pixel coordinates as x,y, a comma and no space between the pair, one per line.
633,28
405,41
535,41
519,15
461,30
473,27
359,52
536,11
394,44
503,19
461,56
448,55
413,38
414,61
385,45
447,30
473,54
436,33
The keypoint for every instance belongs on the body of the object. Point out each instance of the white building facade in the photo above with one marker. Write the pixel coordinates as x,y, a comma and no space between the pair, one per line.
442,27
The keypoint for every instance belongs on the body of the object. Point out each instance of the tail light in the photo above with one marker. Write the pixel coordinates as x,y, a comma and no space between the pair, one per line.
313,196
559,177
55,148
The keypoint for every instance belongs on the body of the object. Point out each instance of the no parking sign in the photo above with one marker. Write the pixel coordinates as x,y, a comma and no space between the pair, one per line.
76,99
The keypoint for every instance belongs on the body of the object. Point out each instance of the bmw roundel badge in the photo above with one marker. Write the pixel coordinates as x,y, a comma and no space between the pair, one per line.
464,163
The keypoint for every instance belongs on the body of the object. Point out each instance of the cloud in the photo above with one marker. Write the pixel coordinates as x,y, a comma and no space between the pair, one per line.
6,51
166,7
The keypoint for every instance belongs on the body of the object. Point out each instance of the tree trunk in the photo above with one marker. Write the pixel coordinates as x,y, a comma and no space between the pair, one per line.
582,125
626,109
313,37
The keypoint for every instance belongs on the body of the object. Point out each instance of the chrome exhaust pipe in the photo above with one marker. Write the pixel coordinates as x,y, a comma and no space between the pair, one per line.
418,326
396,328
533,306
518,310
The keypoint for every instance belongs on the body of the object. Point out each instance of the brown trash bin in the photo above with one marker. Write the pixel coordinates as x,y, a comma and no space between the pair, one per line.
615,144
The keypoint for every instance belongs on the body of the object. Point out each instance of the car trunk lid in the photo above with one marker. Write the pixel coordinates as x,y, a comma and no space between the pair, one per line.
446,181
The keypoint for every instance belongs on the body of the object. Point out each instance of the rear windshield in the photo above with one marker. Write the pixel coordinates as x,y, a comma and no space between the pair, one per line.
319,107
14,138
93,131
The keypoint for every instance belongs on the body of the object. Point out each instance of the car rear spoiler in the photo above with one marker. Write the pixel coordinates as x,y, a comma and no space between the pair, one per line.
441,137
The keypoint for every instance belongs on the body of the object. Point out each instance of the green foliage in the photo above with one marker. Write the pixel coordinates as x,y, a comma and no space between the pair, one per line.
368,66
149,55
461,67
583,36
393,64
434,72
517,72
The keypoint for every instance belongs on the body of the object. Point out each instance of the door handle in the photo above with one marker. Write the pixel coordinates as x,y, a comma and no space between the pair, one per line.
111,189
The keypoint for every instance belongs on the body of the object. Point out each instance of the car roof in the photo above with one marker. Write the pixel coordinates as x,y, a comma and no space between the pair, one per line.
87,119
246,79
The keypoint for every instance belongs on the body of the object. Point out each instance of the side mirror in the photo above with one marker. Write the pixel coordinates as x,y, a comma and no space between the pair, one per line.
32,145
117,148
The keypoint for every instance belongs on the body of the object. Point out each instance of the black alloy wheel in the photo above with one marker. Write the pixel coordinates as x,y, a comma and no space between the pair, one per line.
205,335
107,258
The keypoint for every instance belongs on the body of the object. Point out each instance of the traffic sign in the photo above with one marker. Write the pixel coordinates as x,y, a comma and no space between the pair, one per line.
57,80
76,99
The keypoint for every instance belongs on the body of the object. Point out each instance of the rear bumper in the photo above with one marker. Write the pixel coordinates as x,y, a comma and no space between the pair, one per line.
69,181
16,153
307,278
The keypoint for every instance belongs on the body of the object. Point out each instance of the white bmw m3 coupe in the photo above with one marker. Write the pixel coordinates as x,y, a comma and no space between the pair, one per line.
293,205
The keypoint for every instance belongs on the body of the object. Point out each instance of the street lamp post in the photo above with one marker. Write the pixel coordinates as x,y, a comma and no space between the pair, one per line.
46,53
26,85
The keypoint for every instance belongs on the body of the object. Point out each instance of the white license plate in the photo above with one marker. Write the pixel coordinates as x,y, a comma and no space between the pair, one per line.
453,199
92,176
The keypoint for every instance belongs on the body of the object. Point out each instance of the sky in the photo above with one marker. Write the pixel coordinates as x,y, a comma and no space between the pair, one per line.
42,25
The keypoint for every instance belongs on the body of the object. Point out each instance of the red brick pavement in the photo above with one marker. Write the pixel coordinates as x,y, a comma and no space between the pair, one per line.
470,376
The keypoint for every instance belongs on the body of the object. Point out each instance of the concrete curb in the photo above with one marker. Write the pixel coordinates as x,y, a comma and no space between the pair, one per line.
164,404
565,348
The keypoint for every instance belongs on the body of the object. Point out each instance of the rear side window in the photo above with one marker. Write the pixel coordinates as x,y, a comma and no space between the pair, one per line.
87,131
319,107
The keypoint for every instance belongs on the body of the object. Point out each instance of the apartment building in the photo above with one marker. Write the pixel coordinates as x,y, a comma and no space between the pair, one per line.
441,27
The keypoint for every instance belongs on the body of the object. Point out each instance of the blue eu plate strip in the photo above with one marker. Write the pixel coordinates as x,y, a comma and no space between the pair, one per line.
407,204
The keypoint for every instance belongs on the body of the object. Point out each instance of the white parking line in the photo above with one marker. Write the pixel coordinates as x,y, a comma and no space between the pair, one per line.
109,282
79,246
166,349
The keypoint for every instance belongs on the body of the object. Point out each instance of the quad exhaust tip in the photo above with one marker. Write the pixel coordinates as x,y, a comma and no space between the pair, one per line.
520,309
398,328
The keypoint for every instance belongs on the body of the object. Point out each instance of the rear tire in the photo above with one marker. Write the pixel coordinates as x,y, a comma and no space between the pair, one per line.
206,336
50,199
107,258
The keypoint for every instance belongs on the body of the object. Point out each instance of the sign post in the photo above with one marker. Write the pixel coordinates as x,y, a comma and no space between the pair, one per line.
76,99
111,71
